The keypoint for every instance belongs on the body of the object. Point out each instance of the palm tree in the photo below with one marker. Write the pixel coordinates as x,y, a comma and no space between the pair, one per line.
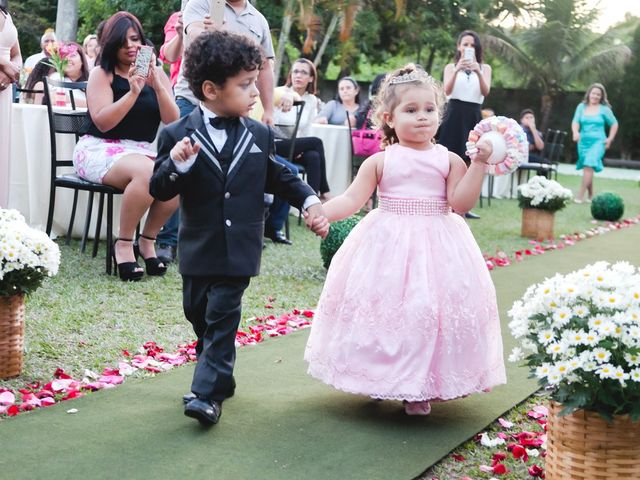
560,50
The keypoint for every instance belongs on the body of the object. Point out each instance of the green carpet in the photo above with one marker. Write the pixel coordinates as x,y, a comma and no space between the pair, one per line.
281,424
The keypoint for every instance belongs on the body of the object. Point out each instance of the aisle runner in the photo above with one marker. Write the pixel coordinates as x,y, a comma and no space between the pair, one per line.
281,424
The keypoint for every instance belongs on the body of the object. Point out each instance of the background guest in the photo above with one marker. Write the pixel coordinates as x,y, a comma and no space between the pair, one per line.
593,115
35,81
335,111
10,63
48,38
171,49
308,151
466,82
536,144
125,110
90,49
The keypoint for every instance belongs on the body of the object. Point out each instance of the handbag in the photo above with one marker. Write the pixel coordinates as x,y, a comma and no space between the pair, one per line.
366,141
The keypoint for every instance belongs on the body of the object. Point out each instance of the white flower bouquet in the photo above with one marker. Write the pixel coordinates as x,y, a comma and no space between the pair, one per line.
580,335
27,255
543,193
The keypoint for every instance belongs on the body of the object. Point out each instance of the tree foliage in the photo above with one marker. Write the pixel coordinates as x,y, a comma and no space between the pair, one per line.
32,18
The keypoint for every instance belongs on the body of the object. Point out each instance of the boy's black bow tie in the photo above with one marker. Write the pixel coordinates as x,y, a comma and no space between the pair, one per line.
223,123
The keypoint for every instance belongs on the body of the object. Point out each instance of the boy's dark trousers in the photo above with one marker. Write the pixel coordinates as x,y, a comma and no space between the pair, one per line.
213,306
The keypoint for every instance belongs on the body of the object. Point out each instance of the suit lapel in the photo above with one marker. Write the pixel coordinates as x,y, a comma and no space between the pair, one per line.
244,142
198,133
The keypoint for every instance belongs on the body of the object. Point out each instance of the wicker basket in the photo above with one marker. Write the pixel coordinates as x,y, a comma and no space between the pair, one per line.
537,224
11,335
583,445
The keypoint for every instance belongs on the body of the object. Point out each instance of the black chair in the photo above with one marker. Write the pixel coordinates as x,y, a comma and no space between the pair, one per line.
72,122
549,158
29,91
293,129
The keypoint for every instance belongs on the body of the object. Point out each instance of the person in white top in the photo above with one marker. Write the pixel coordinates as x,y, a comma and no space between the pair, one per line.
48,38
466,82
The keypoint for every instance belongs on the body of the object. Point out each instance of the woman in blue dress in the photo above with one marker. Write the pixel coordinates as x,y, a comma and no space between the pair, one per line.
593,115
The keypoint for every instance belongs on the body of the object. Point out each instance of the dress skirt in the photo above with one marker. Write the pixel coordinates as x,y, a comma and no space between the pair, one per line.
459,119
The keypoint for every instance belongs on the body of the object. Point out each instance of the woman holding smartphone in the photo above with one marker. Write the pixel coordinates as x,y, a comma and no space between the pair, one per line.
125,109
466,82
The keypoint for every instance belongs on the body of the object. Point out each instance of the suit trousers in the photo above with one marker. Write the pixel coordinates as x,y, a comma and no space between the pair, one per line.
213,305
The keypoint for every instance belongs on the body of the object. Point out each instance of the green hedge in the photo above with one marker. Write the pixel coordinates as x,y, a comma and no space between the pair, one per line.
607,206
338,231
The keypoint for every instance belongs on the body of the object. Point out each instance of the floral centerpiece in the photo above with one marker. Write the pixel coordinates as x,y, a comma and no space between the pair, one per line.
544,194
539,199
27,255
59,54
580,336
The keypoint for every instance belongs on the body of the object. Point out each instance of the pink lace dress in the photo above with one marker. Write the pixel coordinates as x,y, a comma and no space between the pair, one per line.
408,310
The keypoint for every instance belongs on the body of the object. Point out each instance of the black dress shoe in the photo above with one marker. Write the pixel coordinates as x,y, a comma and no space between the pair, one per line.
190,396
166,253
471,215
207,412
276,236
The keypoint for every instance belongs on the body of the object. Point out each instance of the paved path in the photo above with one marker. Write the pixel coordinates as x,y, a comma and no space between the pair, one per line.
607,172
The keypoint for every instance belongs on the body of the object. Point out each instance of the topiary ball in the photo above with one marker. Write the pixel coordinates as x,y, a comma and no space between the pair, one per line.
338,231
607,206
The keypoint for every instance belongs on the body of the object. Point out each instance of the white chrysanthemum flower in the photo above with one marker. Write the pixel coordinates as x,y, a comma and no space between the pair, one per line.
620,375
574,337
633,359
575,363
556,348
516,354
546,337
543,370
580,310
606,370
635,374
562,315
601,355
591,338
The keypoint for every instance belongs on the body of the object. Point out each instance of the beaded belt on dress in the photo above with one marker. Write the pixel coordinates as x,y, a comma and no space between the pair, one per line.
414,206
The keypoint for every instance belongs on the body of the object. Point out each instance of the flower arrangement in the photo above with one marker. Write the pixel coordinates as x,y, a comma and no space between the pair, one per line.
544,194
580,335
27,256
59,54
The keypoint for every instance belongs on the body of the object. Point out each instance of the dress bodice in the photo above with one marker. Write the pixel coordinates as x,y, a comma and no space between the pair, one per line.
8,36
410,173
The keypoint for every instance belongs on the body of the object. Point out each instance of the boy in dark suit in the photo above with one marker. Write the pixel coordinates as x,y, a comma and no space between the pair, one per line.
221,164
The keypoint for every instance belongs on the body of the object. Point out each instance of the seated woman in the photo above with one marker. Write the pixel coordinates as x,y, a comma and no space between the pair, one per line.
76,70
125,110
308,151
35,81
348,100
90,48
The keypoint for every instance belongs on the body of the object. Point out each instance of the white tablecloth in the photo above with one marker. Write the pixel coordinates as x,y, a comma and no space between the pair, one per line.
337,151
29,174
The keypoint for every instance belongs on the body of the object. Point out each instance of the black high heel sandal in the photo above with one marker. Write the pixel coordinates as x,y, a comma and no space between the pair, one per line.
128,271
153,265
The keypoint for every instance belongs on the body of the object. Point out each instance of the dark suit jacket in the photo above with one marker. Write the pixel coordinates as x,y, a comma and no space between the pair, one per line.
222,217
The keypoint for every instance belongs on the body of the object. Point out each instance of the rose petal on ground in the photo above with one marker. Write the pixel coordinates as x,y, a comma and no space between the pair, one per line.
7,398
505,423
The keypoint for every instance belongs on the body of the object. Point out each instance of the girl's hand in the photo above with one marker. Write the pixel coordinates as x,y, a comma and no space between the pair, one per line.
136,81
576,137
154,79
607,143
183,150
462,65
485,149
474,67
5,81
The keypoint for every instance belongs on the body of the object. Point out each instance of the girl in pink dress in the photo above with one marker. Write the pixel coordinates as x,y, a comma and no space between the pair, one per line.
408,311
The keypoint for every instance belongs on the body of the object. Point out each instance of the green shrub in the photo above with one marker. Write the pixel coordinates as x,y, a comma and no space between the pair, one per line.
607,206
338,231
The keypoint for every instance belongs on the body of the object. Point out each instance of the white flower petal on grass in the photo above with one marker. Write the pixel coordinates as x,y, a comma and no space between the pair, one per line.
487,441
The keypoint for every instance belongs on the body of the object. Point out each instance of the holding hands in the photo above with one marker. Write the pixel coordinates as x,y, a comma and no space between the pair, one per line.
316,221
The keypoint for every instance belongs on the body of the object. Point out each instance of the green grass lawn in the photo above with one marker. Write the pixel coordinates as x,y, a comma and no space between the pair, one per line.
83,319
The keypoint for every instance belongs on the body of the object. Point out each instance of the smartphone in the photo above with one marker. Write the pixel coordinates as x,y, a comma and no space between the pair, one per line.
143,60
469,53
216,12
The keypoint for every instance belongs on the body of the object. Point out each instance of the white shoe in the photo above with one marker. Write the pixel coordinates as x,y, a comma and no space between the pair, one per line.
417,408
577,200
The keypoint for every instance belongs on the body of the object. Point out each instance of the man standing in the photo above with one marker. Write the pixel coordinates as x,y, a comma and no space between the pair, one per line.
48,38
239,17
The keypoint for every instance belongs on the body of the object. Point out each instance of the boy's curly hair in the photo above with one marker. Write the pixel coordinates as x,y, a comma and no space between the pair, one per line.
388,97
218,55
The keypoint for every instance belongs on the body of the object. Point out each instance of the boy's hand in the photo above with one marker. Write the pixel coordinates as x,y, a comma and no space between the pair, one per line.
183,150
316,221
